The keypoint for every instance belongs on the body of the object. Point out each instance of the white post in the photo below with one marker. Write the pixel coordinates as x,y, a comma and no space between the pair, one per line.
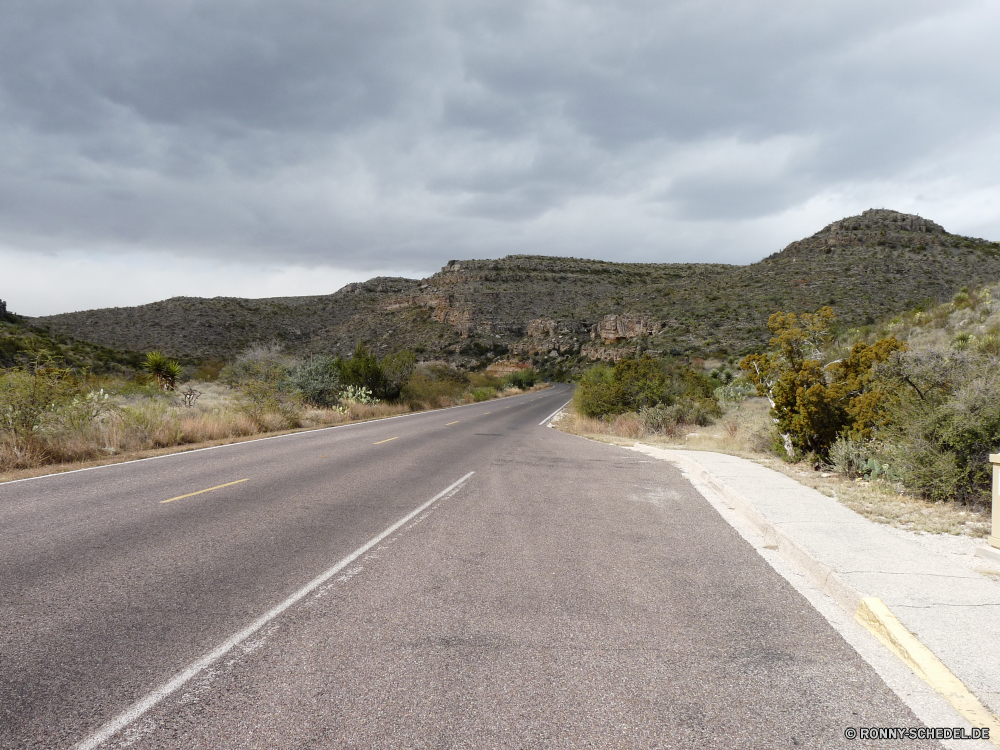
994,538
992,552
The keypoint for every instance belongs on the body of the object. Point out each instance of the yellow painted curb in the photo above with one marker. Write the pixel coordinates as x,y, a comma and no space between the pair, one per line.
884,625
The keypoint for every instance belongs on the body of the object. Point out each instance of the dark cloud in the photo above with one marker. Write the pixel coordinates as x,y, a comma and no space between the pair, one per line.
392,135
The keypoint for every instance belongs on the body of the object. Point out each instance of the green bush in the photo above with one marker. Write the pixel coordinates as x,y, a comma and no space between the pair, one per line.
944,423
385,378
362,370
483,393
523,379
28,397
396,370
318,380
635,384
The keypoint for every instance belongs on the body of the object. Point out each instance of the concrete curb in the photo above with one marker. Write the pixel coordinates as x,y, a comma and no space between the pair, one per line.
879,620
870,612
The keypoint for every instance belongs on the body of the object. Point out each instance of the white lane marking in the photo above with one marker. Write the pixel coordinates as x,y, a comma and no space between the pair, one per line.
137,709
553,414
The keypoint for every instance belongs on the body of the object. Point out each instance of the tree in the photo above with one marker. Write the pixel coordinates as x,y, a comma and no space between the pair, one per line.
362,370
396,370
812,402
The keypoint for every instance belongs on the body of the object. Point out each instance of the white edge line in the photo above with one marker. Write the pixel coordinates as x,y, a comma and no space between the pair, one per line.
244,442
140,707
553,414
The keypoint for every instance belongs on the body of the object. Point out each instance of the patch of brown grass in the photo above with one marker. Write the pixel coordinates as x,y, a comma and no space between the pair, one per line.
145,427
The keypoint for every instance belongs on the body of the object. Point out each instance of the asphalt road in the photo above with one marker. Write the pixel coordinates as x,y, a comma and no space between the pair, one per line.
567,594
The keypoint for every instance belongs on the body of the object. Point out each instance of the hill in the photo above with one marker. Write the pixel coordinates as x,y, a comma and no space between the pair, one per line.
22,343
562,309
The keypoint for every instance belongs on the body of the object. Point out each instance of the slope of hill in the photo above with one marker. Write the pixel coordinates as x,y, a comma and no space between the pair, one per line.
562,309
21,343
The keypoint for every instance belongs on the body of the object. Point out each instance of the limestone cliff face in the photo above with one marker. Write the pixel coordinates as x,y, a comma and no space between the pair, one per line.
608,354
506,367
619,327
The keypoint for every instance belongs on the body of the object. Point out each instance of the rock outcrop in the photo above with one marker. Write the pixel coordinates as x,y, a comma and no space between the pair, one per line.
620,327
506,367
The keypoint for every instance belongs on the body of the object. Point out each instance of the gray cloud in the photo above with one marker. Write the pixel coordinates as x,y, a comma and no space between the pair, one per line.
390,136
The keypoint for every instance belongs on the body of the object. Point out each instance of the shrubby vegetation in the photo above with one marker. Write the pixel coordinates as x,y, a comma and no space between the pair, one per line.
51,414
915,401
663,394
813,398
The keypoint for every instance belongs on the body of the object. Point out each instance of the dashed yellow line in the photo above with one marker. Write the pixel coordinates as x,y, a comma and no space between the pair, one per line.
455,422
385,441
199,492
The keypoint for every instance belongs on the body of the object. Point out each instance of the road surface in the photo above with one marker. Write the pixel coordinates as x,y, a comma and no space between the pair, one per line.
542,591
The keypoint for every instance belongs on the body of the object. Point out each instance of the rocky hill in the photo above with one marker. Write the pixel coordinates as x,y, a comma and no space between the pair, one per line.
22,343
567,309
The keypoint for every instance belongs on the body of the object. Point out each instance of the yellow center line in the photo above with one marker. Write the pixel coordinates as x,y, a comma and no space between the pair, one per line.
192,494
455,422
386,441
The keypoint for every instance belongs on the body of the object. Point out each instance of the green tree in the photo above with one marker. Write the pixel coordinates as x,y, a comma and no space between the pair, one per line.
396,371
812,402
362,370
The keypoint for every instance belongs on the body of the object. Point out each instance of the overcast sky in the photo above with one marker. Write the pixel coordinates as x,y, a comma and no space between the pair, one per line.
152,149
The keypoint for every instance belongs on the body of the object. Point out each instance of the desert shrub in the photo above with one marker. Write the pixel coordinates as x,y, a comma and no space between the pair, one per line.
856,458
83,412
263,393
664,419
317,379
523,379
396,370
483,393
944,423
254,360
434,385
636,384
28,397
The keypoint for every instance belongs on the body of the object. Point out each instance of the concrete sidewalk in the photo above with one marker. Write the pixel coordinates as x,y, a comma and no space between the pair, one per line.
949,607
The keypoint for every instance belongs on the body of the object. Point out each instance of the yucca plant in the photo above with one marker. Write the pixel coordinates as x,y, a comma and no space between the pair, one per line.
166,371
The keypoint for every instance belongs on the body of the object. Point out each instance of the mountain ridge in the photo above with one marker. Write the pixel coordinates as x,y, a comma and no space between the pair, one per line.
547,308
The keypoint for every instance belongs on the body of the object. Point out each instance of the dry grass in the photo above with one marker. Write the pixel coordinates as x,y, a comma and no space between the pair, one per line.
143,426
746,431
